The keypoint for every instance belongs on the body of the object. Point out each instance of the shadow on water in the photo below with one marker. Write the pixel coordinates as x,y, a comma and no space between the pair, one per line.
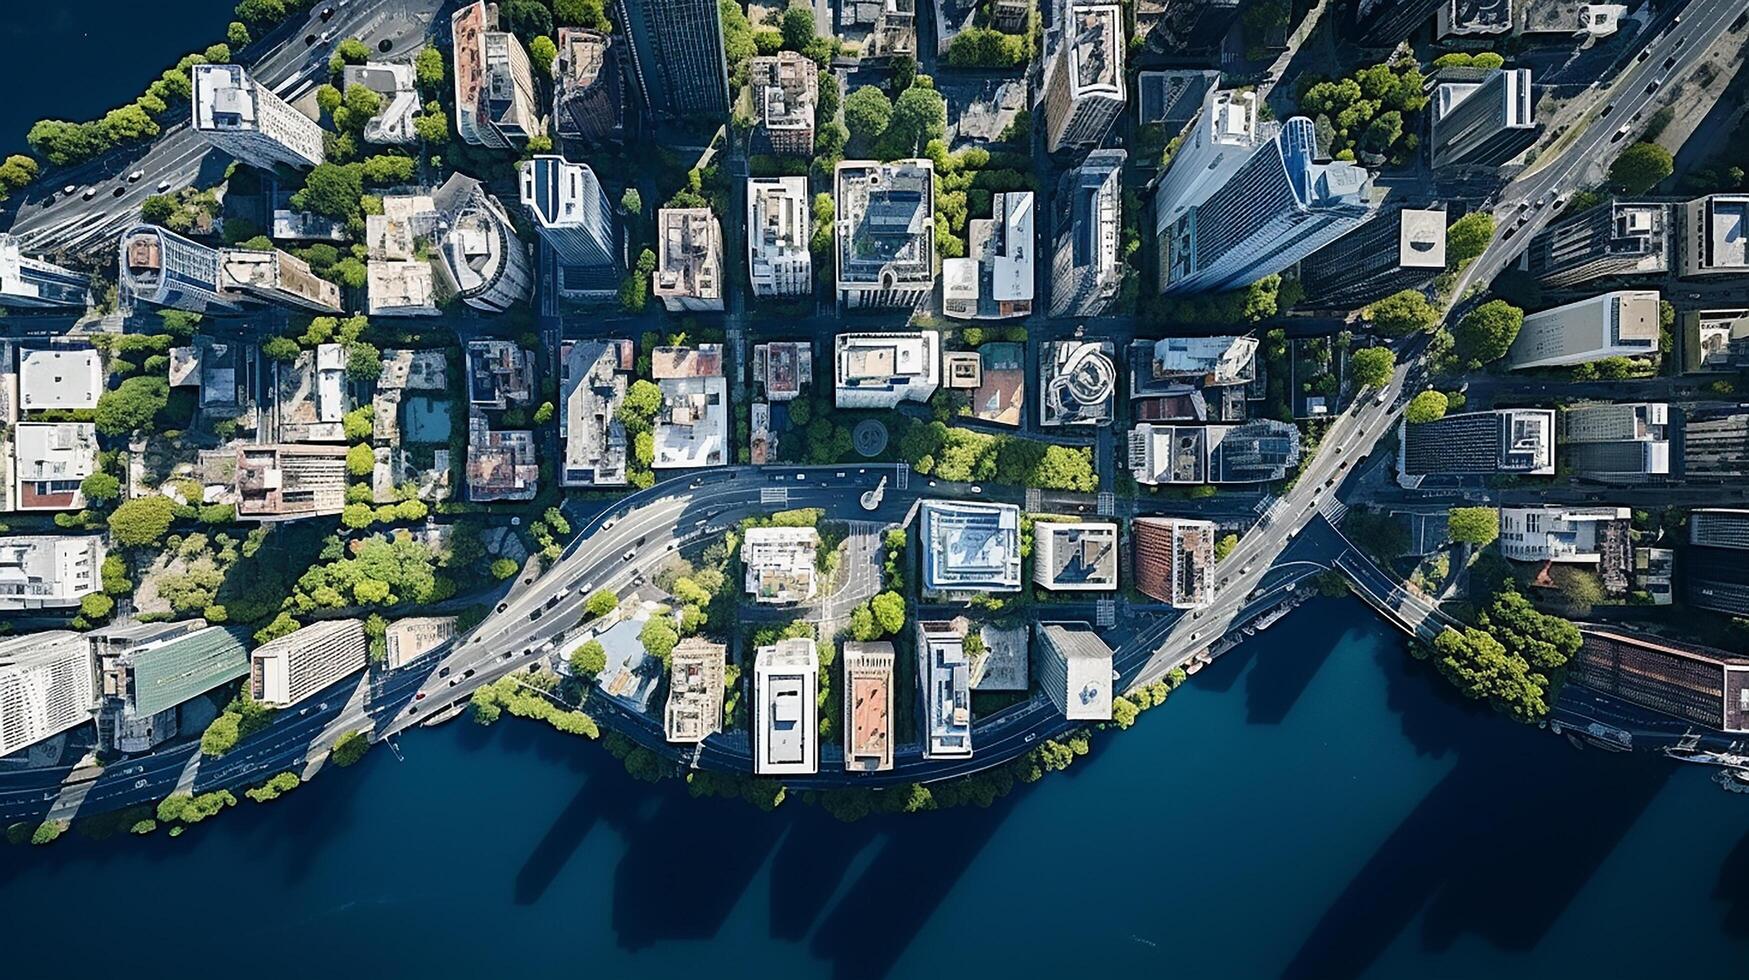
1271,694
810,867
1733,890
1503,873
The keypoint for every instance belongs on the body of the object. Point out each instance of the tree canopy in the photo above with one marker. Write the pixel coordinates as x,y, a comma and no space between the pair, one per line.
1640,167
1403,313
1487,332
1372,366
1478,526
1468,236
1428,406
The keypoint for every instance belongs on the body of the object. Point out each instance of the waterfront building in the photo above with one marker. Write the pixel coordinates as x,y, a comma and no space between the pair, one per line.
1074,670
289,482
407,640
778,226
994,280
147,671
1084,85
885,241
1077,382
677,62
242,117
32,283
1078,556
573,216
593,376
1224,134
394,82
689,260
495,102
285,671
880,370
779,563
868,706
1513,441
1393,252
786,682
48,571
589,90
1259,451
484,262
1175,560
784,88
1715,445
1715,239
45,687
1618,324
1696,684
692,426
694,710
1617,441
1086,270
970,547
50,460
945,679
59,378
1485,122
1614,240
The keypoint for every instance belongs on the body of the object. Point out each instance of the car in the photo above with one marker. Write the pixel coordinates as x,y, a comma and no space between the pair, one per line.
453,681
1030,736
801,476
557,597
502,606
1195,634
136,175
1541,201
506,655
840,474
90,192
977,489
642,538
534,615
163,185
516,522
70,188
444,672
141,783
309,39
327,12
1643,55
1617,138
1652,86
1524,205
1245,571
1509,232
120,189
586,587
1607,109
326,37
1382,397
468,673
1669,62
412,709
629,555
609,523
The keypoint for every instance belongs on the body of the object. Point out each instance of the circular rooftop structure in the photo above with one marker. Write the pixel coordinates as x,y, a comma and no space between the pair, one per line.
870,438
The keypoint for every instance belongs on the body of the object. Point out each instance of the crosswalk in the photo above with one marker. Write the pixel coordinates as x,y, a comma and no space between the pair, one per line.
1105,613
903,479
778,496
1107,504
1034,500
1333,510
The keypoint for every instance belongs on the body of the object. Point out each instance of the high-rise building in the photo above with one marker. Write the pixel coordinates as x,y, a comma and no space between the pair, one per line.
1625,239
280,278
1086,269
994,280
589,91
778,227
1715,445
784,88
970,547
677,60
1387,23
1077,383
28,282
1616,442
146,672
694,710
1220,139
573,215
1175,560
944,674
868,706
1084,90
48,571
885,242
786,681
1715,238
165,269
1277,208
486,264
1516,441
1619,324
1483,123
45,687
1719,527
1073,667
880,370
593,376
1699,685
494,84
285,671
1171,99
1193,26
689,259
1716,562
241,116
1404,249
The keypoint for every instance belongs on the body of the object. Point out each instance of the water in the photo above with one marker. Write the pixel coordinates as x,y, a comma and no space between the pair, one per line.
1316,805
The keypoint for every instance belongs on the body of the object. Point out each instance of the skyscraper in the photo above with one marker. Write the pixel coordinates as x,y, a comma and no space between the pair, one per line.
494,83
1517,441
161,267
285,671
1401,250
1084,92
1619,239
1220,139
239,115
1619,324
1085,267
589,91
1616,442
677,60
1190,26
1277,208
45,687
1483,123
575,218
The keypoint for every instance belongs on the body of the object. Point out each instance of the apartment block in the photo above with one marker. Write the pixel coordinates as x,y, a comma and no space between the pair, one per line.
785,88
994,280
1175,560
1594,536
1632,240
49,462
689,260
1259,451
1715,239
944,674
880,370
885,242
692,427
678,66
1516,441
48,571
1404,249
245,119
1483,123
45,687
286,671
593,376
1617,442
29,283
1084,87
1073,667
589,87
778,228
290,482
146,672
1077,383
779,563
694,710
782,369
786,682
59,378
1696,684
495,104
573,216
868,706
1086,270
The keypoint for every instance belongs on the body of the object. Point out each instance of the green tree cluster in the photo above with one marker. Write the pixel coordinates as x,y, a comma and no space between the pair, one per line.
274,788
349,748
983,47
1372,366
1487,332
1508,657
1468,237
1370,112
964,455
1402,313
1641,167
1478,526
1427,406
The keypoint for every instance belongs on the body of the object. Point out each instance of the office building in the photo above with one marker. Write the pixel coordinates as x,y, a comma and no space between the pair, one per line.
290,482
1175,560
783,369
970,547
1715,445
242,117
1404,249
1510,441
1616,442
868,706
1077,382
1715,237
784,88
146,672
1086,270
1386,23
1716,562
1276,209
1074,557
1480,18
285,671
880,28
692,426
1696,684
401,288
779,563
165,269
944,675
994,280
1224,134
1595,536
689,260
494,84
1073,667
484,262
1719,527
395,84
48,571
1618,324
694,710
1259,451
1618,239
574,217
677,62
589,89
880,370
593,375
885,242
1169,365
49,462
786,682
32,283
59,378
778,227
1482,123
1714,340
407,640
1193,26
45,687
276,277
1084,85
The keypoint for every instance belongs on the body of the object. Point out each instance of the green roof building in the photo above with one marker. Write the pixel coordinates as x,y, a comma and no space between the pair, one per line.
144,679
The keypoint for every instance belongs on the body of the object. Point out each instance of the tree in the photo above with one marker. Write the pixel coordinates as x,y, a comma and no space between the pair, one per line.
1402,313
589,659
631,201
349,748
331,189
1477,526
363,361
797,26
867,113
643,398
600,603
237,34
132,405
64,142
1487,332
919,115
504,568
1468,237
261,12
100,487
1428,406
658,637
361,460
96,607
142,521
280,349
1372,366
1640,167
580,13
888,609
1225,546
428,67
634,290
543,53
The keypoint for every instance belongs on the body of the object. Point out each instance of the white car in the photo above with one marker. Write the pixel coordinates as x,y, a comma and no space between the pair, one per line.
163,185
136,175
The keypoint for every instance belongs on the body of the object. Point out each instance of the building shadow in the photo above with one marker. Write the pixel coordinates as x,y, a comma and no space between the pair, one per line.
1271,694
1732,891
810,867
556,846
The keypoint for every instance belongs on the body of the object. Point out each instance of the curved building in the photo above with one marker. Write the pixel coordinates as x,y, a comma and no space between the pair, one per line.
1078,384
484,261
161,267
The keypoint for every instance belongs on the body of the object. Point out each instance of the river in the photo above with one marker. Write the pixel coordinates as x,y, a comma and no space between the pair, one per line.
1315,805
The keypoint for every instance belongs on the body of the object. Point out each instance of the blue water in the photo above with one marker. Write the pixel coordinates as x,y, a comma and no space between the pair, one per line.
1316,805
